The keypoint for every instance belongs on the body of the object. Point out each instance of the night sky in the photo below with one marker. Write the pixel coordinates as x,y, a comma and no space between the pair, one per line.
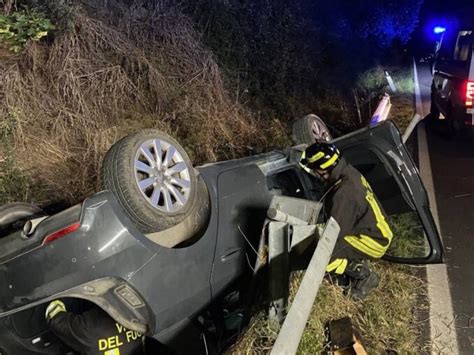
447,13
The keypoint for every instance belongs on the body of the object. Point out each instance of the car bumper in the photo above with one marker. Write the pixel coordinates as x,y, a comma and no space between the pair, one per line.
94,263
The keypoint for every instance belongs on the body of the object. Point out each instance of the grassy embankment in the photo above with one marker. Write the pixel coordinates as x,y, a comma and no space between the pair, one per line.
106,71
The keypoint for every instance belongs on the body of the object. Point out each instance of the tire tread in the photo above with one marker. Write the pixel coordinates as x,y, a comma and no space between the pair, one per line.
117,176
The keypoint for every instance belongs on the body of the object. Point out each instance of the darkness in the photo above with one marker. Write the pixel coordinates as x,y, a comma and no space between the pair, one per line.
449,14
295,57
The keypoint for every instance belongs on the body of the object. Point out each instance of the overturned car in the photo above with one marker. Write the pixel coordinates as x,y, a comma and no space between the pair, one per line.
163,240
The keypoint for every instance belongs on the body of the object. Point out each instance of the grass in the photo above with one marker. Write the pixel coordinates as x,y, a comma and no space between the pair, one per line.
15,184
410,240
115,70
388,319
403,108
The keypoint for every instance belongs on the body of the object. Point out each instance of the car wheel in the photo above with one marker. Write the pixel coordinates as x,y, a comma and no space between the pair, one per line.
434,112
14,215
454,121
310,129
153,179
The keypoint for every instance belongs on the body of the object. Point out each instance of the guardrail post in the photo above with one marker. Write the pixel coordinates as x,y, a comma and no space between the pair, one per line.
279,270
290,334
390,81
382,111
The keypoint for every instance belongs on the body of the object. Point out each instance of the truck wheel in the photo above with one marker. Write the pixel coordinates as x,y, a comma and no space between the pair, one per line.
455,122
310,129
434,112
153,179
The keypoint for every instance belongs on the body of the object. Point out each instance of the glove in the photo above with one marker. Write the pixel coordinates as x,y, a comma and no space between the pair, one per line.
53,309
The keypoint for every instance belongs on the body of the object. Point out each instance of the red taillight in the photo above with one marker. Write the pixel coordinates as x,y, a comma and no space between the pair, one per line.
61,233
469,93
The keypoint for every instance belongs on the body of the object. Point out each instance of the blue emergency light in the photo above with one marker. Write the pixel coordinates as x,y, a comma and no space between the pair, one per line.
439,29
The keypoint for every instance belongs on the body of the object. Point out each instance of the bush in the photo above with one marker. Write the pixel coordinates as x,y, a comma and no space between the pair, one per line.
19,27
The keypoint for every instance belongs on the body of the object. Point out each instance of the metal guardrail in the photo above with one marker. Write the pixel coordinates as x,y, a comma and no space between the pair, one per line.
408,131
291,227
390,81
292,329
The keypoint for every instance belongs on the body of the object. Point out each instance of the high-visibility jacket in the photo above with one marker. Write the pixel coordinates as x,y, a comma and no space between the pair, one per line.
94,332
354,206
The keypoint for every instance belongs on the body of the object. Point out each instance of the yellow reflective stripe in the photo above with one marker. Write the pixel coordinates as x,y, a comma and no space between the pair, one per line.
315,157
358,244
338,266
365,182
54,308
115,351
304,167
55,311
330,161
382,224
373,244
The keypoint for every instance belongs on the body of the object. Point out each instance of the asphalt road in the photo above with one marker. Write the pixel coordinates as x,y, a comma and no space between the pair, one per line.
452,165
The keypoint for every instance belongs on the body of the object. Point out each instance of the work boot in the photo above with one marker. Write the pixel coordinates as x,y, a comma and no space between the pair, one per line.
343,281
363,279
361,288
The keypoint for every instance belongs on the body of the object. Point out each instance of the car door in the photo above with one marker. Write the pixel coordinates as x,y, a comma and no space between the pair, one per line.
379,154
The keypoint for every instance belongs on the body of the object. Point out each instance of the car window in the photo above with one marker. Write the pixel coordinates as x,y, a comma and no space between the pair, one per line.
463,46
288,183
409,239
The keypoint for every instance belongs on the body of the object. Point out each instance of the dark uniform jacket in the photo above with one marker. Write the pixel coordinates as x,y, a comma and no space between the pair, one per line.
360,215
95,332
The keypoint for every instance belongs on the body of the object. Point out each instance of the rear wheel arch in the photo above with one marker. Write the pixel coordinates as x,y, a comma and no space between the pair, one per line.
118,299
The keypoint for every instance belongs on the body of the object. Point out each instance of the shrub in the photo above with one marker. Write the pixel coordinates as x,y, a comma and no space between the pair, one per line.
19,27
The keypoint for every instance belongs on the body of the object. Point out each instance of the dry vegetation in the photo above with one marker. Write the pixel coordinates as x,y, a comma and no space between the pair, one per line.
388,319
116,69
403,108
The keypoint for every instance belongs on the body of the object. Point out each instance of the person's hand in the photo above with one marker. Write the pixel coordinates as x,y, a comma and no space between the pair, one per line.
54,308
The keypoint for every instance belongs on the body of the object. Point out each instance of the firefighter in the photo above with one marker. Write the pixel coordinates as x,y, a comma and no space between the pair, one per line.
349,199
92,331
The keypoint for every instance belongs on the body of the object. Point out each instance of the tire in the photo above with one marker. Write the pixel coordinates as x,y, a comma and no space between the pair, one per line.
455,122
310,129
190,229
156,194
434,112
14,215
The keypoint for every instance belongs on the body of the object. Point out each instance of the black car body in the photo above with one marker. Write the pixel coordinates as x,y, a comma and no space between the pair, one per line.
92,251
452,89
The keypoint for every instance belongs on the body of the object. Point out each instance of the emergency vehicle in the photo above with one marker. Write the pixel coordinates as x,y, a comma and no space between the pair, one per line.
452,89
